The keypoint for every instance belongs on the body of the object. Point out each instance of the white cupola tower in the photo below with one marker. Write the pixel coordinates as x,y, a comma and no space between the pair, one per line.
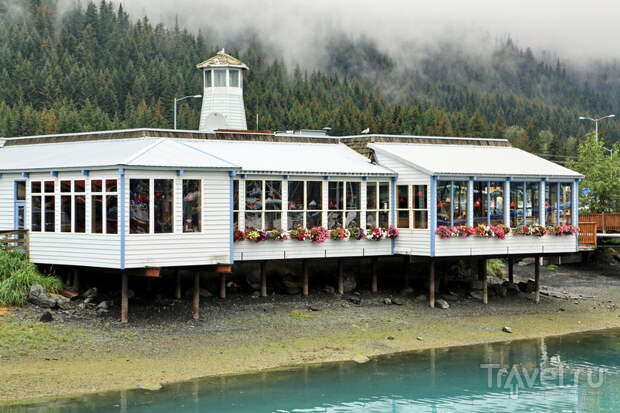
222,102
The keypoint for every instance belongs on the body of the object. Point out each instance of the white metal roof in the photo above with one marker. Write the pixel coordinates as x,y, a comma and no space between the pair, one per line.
471,160
139,152
291,157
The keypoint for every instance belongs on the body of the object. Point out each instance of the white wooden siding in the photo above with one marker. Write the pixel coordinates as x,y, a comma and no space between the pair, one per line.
211,246
413,242
64,248
407,175
289,249
513,244
7,194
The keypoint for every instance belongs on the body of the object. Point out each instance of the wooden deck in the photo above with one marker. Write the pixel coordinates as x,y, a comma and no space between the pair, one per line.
604,222
15,240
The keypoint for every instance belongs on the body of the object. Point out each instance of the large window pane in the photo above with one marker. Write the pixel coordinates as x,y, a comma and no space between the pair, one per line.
496,196
384,195
35,217
96,214
253,195
565,204
295,196
65,213
336,194
111,205
460,203
50,213
220,78
314,195
480,202
516,204
551,204
444,203
139,206
79,209
192,205
371,196
163,205
273,195
532,210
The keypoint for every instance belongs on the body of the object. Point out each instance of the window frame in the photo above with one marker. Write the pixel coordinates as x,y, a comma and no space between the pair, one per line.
305,211
344,208
200,206
378,209
263,200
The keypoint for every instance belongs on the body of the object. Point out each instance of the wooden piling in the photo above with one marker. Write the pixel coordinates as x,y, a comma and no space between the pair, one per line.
177,291
124,298
76,281
222,285
511,271
304,265
537,280
263,279
431,284
196,296
373,270
406,271
340,277
482,275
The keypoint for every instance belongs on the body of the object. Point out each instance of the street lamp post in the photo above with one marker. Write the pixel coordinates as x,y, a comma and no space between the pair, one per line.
177,100
596,121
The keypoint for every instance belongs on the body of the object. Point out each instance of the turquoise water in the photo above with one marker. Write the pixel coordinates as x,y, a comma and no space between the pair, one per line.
575,373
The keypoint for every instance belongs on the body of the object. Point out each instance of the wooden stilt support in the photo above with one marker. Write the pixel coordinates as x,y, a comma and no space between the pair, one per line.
124,298
196,296
263,279
431,284
340,277
222,285
537,280
373,270
482,273
511,270
76,281
406,272
304,265
177,291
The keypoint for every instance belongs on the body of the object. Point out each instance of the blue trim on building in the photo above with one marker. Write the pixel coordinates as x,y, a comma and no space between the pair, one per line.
122,209
85,172
25,174
231,257
17,204
180,172
54,174
507,202
575,210
433,202
393,209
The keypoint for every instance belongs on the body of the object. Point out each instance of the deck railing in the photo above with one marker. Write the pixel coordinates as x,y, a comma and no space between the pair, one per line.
587,234
17,239
604,222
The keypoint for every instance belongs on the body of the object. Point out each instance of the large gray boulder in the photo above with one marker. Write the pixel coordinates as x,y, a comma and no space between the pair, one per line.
39,297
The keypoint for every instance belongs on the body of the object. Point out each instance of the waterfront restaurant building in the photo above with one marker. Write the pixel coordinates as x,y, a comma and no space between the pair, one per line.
146,199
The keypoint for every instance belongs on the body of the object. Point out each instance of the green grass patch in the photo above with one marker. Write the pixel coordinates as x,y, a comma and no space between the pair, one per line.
24,337
300,315
17,275
496,267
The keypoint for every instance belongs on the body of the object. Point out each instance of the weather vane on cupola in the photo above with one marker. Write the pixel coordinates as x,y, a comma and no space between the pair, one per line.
222,102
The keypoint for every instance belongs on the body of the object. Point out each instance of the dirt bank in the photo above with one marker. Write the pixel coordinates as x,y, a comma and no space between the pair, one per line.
241,334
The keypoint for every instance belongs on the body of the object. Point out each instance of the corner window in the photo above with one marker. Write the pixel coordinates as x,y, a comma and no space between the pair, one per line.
234,78
192,205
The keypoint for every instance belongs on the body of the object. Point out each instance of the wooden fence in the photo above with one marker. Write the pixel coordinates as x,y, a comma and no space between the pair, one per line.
15,240
587,234
604,222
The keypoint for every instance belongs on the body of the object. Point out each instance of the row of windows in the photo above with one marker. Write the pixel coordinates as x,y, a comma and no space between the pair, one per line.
145,195
263,206
218,78
488,203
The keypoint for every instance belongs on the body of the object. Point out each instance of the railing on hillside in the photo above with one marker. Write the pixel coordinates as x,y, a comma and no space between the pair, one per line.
17,239
587,234
604,222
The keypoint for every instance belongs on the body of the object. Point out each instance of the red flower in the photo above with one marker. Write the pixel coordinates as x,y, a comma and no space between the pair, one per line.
513,204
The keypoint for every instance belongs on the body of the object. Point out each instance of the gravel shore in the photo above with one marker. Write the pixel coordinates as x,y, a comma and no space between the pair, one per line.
95,353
